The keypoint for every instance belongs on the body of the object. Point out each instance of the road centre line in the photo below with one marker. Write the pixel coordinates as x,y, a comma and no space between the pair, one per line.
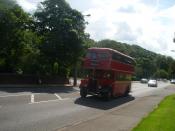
32,98
59,97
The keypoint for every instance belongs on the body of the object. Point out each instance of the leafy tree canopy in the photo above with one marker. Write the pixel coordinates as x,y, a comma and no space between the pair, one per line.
63,31
5,4
16,35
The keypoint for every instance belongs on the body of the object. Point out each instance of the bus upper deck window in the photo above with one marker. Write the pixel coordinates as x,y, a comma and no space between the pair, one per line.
103,56
91,55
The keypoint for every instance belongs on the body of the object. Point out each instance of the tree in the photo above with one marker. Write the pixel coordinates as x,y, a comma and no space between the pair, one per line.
7,4
16,36
63,31
161,74
29,61
172,75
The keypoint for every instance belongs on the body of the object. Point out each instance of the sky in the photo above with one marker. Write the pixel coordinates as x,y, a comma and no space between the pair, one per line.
147,23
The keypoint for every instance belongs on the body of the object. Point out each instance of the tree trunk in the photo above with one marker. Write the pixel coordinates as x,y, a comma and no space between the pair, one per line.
75,75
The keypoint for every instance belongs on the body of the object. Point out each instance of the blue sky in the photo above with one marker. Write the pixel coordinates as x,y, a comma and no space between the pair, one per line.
148,23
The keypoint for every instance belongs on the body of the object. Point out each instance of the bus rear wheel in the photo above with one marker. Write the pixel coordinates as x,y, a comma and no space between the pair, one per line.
83,92
127,91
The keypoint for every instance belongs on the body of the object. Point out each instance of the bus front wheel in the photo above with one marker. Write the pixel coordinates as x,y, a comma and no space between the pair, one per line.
107,95
83,92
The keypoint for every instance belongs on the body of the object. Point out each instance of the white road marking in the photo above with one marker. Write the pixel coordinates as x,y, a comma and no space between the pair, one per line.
59,97
18,95
32,98
14,95
49,101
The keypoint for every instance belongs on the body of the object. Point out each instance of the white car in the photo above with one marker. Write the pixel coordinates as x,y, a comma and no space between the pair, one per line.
152,83
172,81
144,80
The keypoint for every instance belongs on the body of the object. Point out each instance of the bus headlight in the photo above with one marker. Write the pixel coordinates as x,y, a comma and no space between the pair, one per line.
99,87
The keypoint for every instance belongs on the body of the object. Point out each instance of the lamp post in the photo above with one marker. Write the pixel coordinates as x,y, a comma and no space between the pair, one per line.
75,66
88,15
174,42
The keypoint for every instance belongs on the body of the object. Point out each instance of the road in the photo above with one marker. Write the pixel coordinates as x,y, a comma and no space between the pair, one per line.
54,108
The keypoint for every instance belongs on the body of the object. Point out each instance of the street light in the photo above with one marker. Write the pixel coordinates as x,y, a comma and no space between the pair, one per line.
88,15
75,66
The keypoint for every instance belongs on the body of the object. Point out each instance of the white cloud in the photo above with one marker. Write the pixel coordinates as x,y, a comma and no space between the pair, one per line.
29,5
145,25
148,23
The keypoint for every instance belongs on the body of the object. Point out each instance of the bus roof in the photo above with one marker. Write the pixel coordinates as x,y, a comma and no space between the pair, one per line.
111,50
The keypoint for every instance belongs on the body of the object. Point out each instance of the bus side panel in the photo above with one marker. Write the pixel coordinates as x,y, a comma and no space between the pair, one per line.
121,67
120,87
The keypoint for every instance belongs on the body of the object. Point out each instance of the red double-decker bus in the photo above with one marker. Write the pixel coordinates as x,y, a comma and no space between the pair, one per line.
108,71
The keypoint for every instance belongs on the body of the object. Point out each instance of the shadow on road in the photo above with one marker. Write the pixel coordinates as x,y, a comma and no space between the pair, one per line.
96,102
63,89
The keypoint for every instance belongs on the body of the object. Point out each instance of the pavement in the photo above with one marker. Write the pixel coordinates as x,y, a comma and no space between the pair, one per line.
124,118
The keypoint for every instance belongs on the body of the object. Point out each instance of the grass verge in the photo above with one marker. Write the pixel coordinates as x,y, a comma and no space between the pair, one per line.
160,119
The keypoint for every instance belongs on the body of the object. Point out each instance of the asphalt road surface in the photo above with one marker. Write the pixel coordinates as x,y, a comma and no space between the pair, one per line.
54,108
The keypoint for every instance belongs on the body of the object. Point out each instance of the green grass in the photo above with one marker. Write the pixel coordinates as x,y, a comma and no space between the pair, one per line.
161,119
